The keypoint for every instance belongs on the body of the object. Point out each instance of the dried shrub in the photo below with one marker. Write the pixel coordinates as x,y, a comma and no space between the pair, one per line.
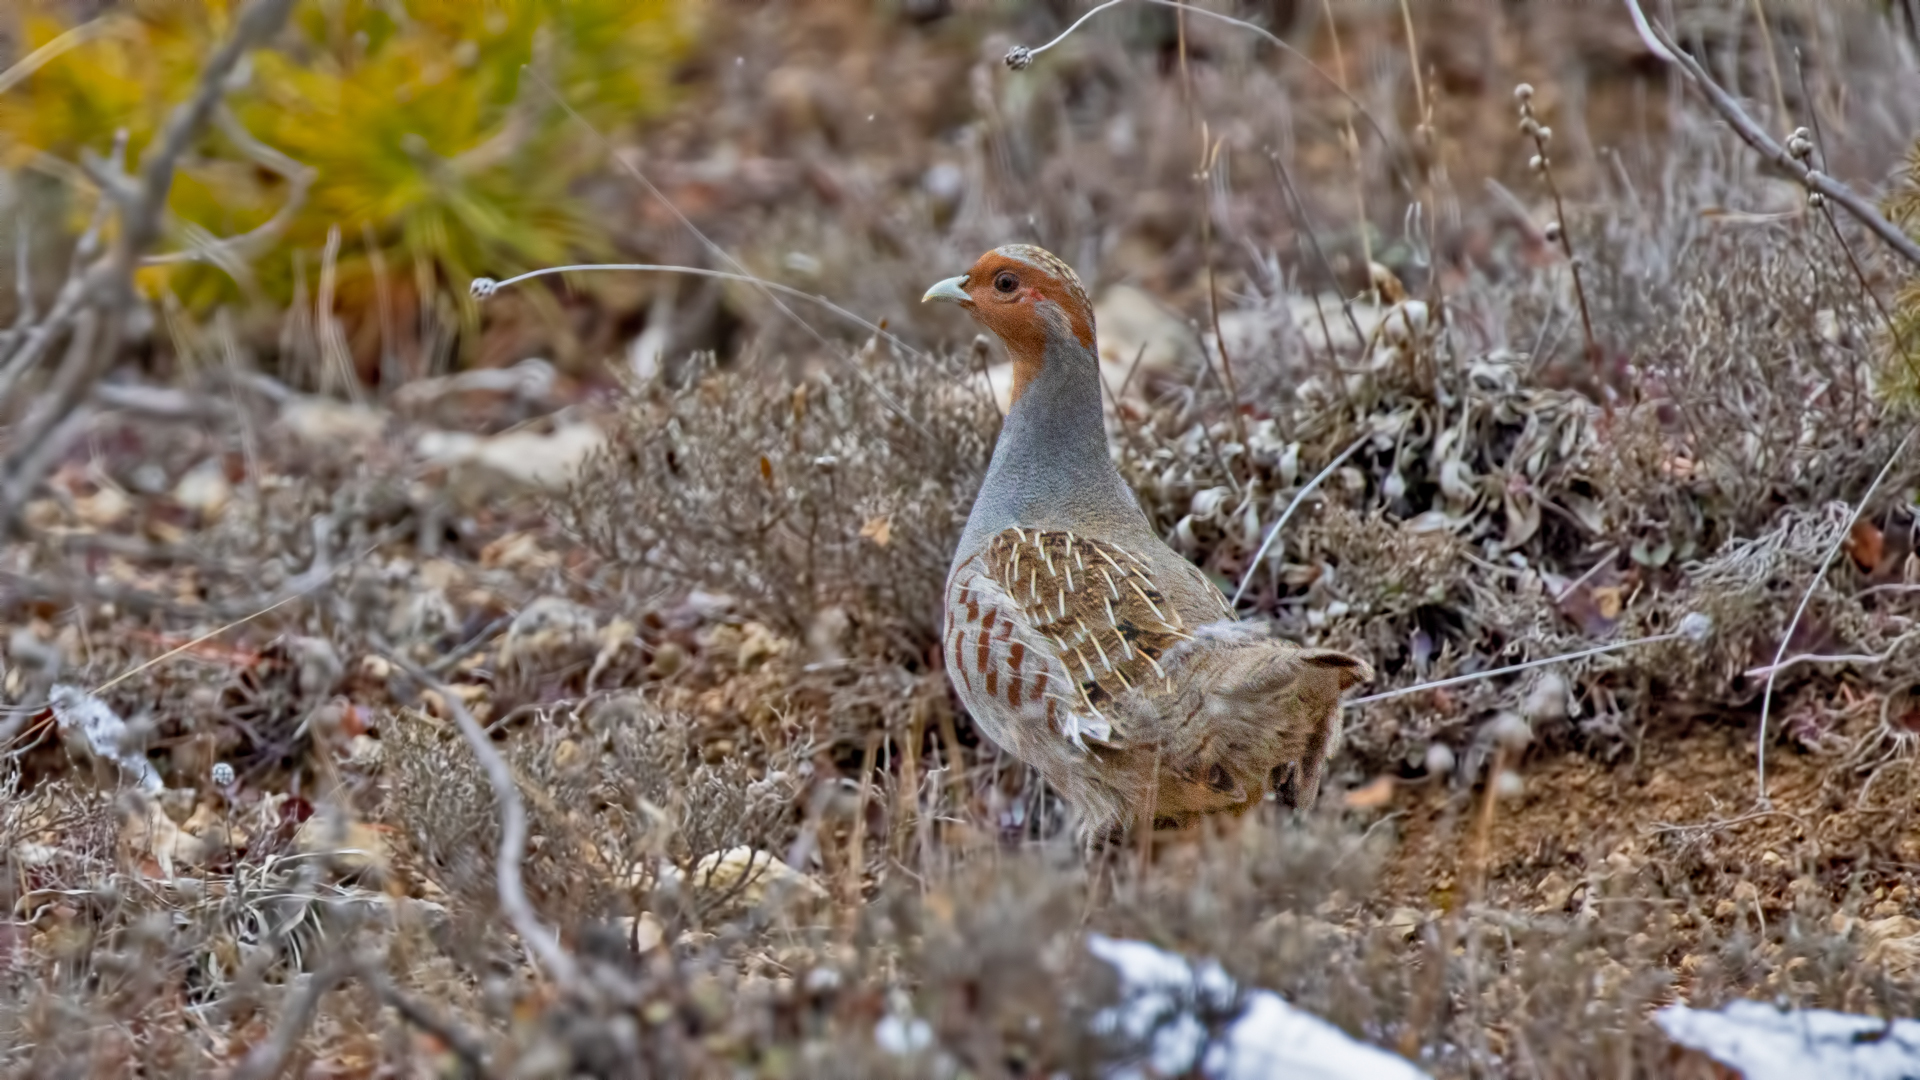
834,499
616,789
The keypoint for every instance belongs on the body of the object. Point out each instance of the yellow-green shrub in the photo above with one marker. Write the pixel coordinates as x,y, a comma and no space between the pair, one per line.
1899,374
415,114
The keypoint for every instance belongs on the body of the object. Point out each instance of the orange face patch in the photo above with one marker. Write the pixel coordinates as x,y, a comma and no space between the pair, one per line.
1020,292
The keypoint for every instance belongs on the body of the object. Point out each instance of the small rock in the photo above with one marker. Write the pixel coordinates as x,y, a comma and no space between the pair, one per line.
1555,891
1405,921
204,489
331,425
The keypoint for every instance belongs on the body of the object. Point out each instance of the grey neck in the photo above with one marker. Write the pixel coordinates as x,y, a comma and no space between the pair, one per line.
1051,468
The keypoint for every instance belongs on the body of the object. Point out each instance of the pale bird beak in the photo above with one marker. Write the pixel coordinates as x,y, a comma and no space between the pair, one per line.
949,289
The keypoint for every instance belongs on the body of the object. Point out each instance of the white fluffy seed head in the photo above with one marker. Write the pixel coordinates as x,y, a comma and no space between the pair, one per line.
1510,730
482,287
1548,698
1697,626
1508,784
222,774
1439,759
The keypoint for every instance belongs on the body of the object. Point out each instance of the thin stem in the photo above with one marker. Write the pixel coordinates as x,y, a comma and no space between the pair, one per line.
859,372
1299,497
1068,32
1773,63
1612,646
1773,673
1751,133
1539,135
1352,140
485,287
1213,295
1019,57
1300,218
54,49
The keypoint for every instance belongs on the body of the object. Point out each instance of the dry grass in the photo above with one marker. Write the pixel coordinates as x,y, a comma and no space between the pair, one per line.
764,831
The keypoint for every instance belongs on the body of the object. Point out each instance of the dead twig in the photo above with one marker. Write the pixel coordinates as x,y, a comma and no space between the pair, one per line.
482,288
28,341
303,1005
1661,43
1833,551
465,1046
299,179
1298,498
105,290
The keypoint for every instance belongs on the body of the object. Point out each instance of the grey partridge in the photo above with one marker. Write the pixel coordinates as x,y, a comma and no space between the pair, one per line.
1077,639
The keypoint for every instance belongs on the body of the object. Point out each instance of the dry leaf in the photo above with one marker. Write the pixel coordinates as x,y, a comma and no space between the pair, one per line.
878,529
215,828
1389,285
103,508
351,844
154,844
1607,601
613,637
751,877
518,551
1371,795
1866,545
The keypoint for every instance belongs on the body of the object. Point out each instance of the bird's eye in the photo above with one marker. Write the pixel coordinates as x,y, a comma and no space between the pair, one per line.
1006,282
1218,780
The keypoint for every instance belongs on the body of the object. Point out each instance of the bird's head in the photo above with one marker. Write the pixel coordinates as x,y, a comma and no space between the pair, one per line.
1029,299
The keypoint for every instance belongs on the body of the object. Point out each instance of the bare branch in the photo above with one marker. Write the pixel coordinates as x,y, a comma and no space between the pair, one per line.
107,287
261,20
296,1018
299,180
463,1043
1755,136
29,341
53,50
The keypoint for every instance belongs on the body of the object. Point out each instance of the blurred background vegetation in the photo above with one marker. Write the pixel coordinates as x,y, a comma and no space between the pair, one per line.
434,130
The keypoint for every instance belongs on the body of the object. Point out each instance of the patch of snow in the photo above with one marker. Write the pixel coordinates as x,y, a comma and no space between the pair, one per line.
1161,993
1767,1043
902,1036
